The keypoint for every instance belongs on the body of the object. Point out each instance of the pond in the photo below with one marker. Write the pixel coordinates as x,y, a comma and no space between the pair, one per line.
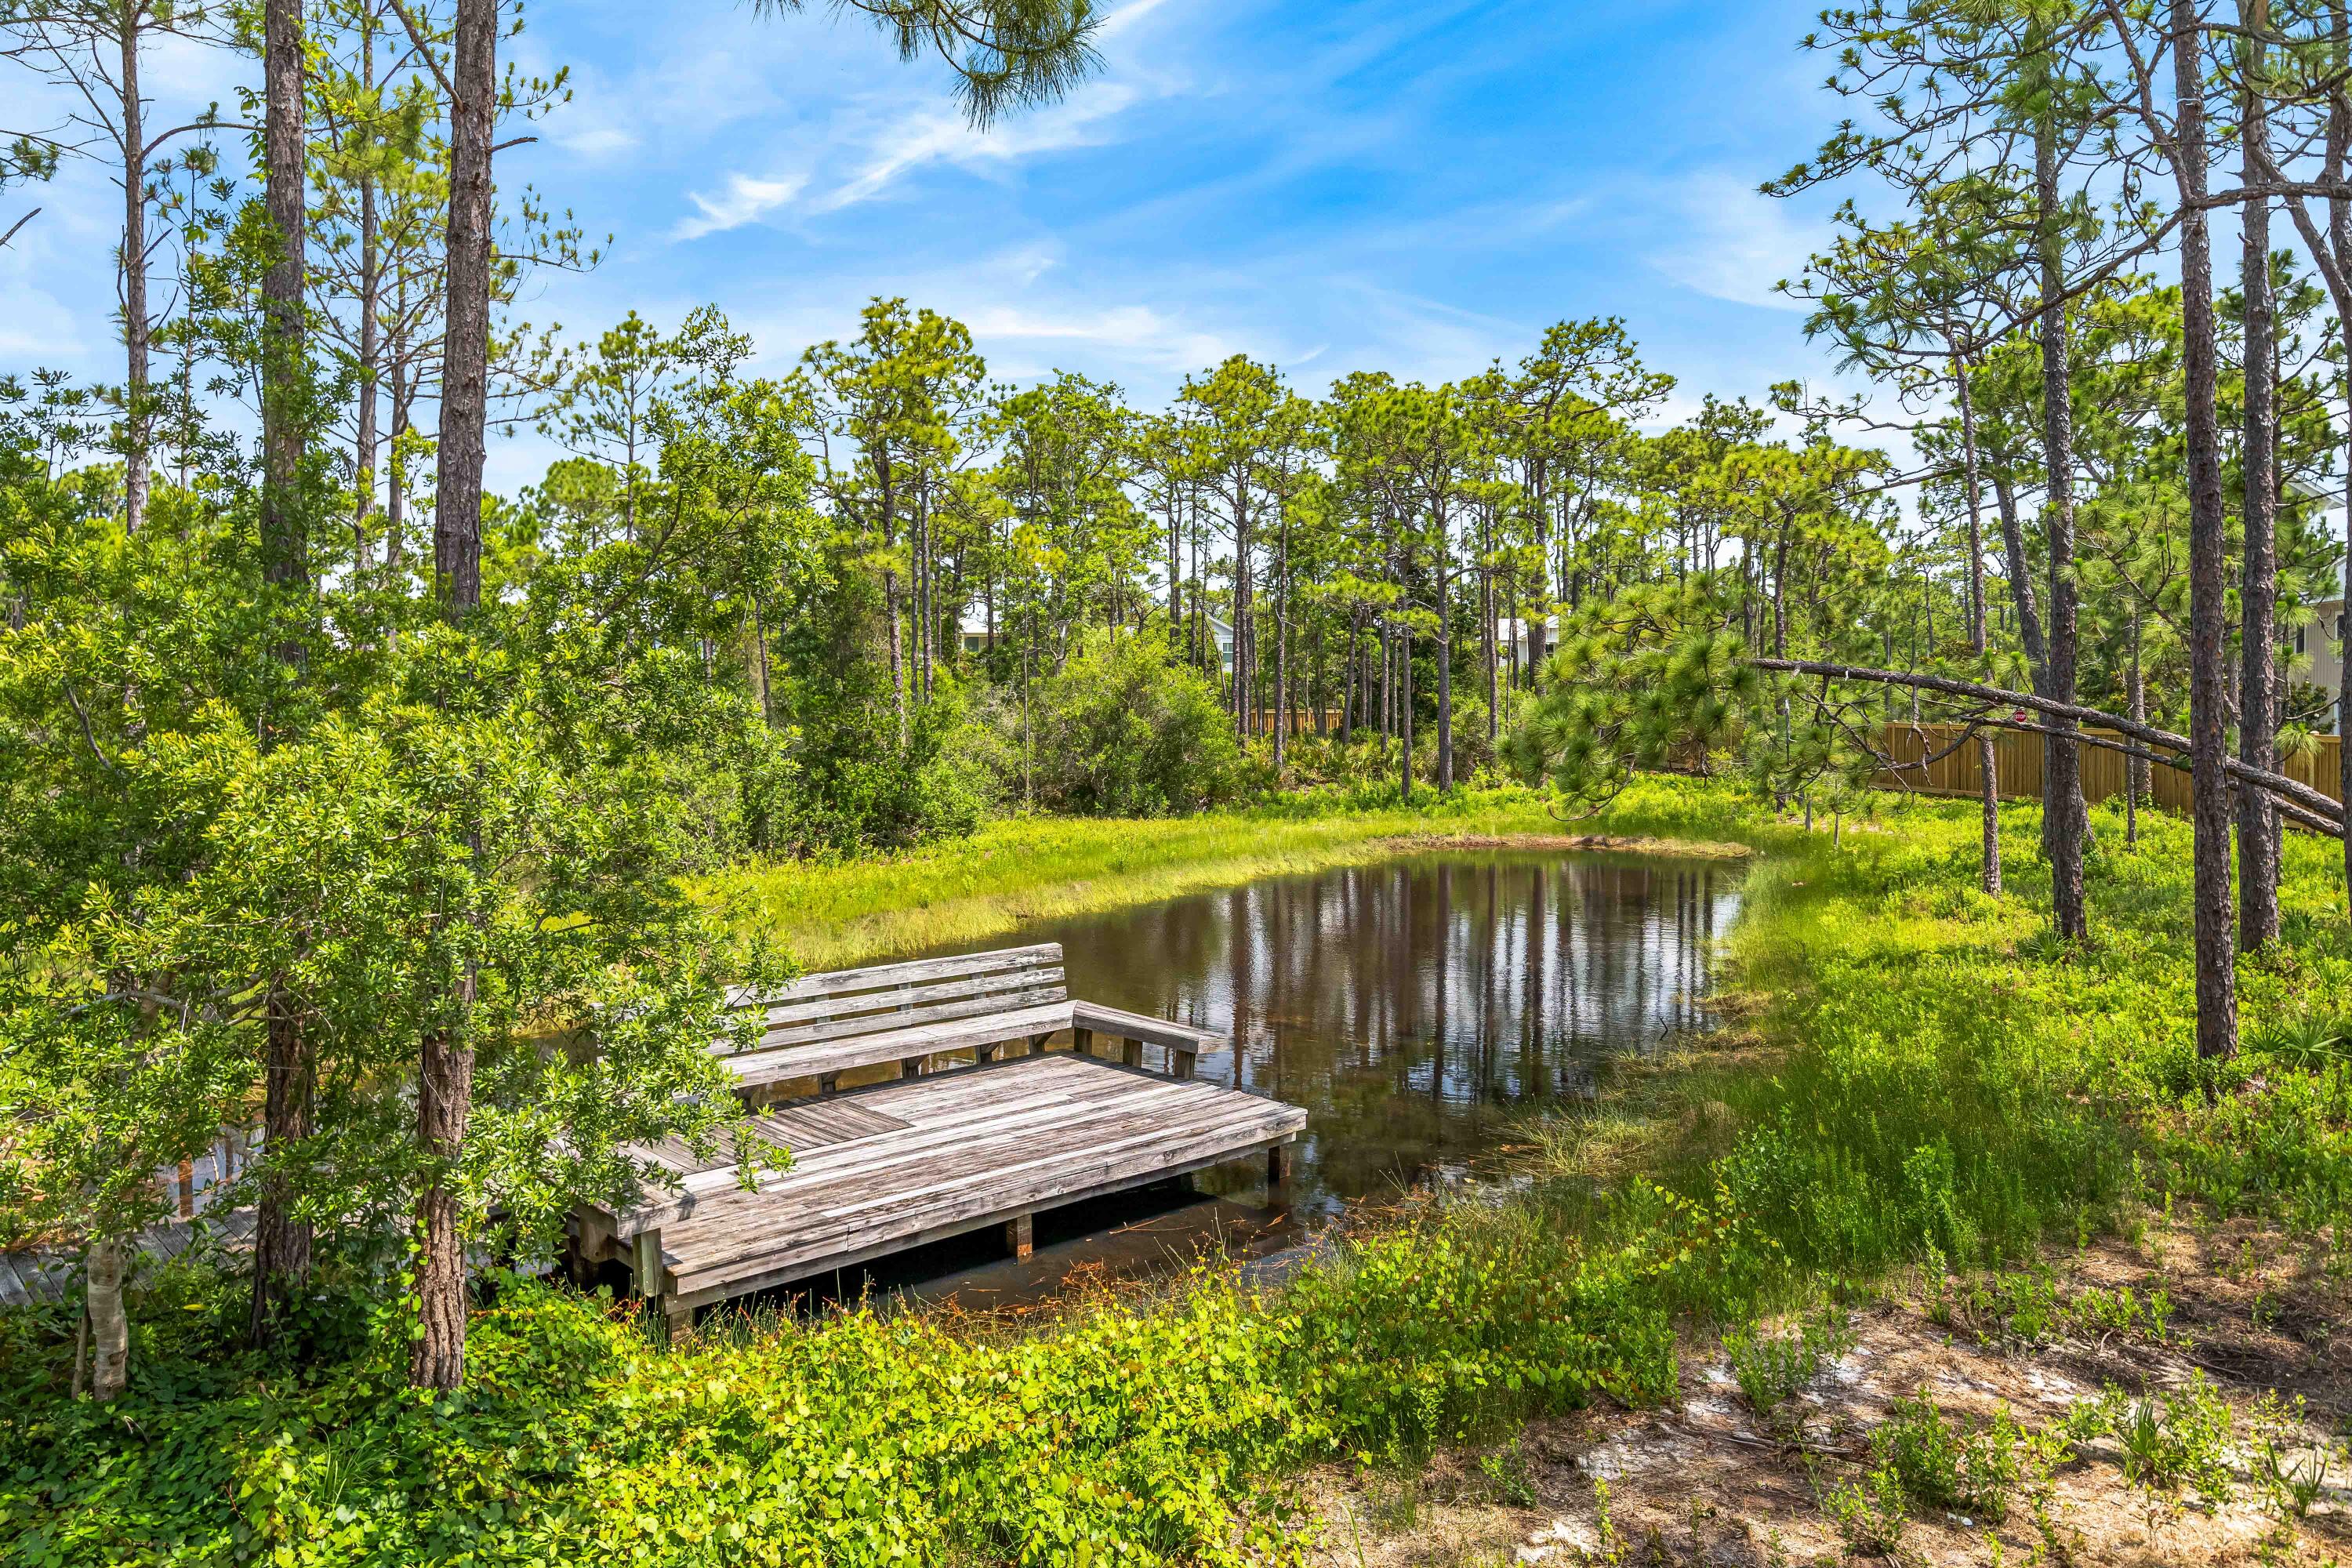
1418,1008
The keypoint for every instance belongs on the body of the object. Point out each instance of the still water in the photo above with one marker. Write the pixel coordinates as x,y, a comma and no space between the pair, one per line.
1418,1008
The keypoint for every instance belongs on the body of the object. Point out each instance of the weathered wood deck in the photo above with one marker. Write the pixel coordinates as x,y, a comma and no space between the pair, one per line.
882,1169
968,1137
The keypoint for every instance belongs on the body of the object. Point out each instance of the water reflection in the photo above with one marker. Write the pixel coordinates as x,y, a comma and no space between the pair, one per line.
1413,1006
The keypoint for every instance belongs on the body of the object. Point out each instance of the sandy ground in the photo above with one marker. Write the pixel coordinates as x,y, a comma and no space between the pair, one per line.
1709,1482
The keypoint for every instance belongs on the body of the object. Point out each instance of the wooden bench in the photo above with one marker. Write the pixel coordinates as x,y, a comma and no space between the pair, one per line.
822,1025
891,1165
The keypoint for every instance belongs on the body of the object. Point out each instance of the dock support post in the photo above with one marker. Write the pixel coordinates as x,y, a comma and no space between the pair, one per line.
1018,1237
645,1263
982,1054
1083,1041
829,1083
1131,1052
677,1319
1277,1166
912,1067
1037,1042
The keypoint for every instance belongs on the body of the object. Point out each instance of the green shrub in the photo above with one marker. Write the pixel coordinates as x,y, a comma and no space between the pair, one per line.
2169,1440
1940,1464
1774,1368
1123,731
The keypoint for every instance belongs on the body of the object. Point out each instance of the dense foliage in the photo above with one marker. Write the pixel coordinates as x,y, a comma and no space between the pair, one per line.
1121,732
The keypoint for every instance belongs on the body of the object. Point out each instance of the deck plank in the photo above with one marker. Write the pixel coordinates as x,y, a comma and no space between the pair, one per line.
973,1147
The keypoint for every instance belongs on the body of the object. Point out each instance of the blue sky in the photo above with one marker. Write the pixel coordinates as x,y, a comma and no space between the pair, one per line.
1419,187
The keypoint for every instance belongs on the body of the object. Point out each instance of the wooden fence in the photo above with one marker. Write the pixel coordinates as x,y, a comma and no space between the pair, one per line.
1302,720
2016,766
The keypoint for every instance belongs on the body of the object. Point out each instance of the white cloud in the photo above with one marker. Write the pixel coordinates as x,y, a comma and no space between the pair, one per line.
1136,333
1124,18
943,136
601,142
744,200
1737,244
885,143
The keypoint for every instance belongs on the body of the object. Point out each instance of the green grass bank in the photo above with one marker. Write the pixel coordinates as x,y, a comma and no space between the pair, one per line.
1917,1075
832,915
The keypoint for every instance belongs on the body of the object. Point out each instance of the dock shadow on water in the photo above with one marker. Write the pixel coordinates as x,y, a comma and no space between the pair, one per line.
1417,1008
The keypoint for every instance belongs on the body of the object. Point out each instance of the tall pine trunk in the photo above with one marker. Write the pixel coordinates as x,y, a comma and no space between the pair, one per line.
281,1241
2063,819
1404,710
371,347
137,413
281,1258
1987,756
2258,682
1282,641
1444,661
2209,735
445,1060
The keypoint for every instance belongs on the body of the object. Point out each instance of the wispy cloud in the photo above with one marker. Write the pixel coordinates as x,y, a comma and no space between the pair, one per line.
943,136
1736,243
743,201
599,142
1138,334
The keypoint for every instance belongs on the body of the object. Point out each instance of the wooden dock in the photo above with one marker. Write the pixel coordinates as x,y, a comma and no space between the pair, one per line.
943,1149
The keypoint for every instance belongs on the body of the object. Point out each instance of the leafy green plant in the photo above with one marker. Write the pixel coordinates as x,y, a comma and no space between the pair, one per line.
2169,1440
1941,1463
1773,1367
1509,1480
1869,1512
2308,1042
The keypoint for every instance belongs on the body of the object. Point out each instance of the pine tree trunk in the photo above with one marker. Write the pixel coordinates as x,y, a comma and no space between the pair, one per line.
444,1103
2217,1001
1493,673
2136,774
446,1059
281,1243
2064,821
465,380
1404,710
2339,242
1282,645
1444,663
370,390
2019,569
137,461
395,484
1175,578
1988,755
2258,682
284,548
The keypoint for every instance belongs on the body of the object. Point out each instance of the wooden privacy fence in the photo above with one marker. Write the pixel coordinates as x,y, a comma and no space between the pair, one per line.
2017,764
1302,720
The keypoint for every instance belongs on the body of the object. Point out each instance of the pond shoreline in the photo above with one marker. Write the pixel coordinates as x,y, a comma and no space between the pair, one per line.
1013,873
